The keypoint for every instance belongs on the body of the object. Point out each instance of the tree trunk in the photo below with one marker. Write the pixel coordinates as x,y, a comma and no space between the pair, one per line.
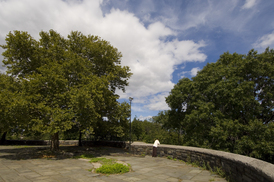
54,142
80,139
3,138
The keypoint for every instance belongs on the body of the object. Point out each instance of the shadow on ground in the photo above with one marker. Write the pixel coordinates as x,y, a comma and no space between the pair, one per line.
37,152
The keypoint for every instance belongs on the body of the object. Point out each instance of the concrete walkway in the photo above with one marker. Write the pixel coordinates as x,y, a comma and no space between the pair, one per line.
66,170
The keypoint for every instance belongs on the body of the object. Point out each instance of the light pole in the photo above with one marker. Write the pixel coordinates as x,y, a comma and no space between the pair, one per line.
130,99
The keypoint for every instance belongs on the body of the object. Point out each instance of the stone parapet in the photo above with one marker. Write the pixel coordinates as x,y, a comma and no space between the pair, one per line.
237,167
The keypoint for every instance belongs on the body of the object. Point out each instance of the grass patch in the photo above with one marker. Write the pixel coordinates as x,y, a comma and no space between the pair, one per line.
109,166
103,161
113,169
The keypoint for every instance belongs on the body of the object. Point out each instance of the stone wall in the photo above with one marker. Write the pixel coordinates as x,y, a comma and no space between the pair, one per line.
118,144
237,167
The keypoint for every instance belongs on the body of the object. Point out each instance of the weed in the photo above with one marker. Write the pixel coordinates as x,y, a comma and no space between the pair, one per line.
188,160
195,164
169,157
212,179
220,172
204,166
208,167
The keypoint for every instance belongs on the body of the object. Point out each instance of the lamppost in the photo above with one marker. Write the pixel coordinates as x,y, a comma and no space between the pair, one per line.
130,99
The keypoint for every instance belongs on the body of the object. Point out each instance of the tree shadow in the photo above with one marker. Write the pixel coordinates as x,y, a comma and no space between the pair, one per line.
65,152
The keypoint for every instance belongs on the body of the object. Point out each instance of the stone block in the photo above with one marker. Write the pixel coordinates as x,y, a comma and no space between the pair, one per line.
247,179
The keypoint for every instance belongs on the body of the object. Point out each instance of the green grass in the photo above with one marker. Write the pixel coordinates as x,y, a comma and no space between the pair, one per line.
109,166
103,161
113,169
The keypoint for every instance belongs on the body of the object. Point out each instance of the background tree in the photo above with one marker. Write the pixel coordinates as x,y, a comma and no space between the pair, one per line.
229,105
170,126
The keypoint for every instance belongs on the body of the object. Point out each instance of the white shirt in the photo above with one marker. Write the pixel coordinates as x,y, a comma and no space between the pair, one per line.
156,143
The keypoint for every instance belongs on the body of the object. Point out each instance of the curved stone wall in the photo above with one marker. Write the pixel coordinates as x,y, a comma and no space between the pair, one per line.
238,167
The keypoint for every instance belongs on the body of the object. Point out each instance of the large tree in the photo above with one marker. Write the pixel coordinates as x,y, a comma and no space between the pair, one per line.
13,107
229,105
67,81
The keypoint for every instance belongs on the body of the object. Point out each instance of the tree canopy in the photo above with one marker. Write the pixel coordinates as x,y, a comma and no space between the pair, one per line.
229,105
66,81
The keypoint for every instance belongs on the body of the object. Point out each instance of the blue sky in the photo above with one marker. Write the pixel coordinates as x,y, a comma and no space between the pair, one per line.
161,41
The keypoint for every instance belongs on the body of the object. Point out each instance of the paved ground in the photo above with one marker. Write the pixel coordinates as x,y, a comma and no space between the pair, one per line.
15,167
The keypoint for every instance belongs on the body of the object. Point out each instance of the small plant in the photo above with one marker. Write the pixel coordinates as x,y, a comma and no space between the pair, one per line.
195,164
169,157
212,179
220,172
204,166
175,159
209,167
143,155
188,160
113,169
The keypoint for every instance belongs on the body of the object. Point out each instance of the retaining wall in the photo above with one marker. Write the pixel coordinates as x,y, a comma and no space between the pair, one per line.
237,167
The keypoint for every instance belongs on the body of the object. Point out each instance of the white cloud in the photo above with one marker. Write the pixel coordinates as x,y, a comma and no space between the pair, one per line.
194,71
157,102
211,13
265,41
249,4
151,59
142,118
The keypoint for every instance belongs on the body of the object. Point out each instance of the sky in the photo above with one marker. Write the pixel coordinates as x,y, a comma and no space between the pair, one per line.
161,41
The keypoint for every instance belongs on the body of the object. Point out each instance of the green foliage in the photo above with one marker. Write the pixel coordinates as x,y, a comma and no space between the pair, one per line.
228,105
109,166
147,131
64,83
113,169
13,107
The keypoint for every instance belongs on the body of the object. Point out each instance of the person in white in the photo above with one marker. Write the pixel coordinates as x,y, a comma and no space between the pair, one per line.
155,145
